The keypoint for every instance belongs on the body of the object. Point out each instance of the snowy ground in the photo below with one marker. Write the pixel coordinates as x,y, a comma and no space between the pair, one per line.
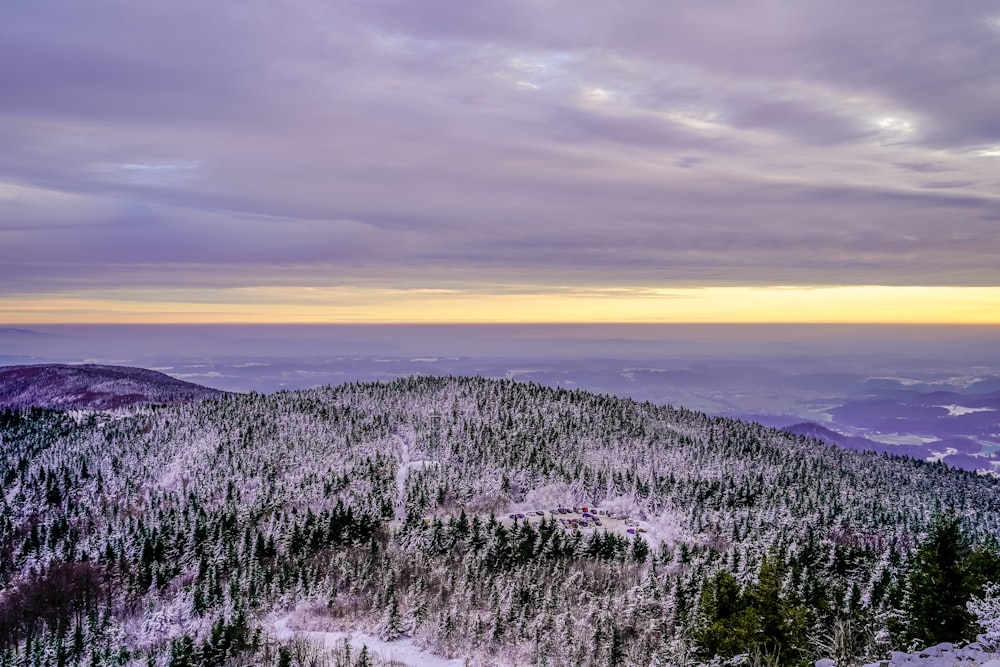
621,526
942,655
959,410
902,438
406,439
401,651
402,473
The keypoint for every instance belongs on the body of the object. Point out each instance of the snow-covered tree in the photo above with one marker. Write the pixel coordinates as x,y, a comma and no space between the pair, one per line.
986,609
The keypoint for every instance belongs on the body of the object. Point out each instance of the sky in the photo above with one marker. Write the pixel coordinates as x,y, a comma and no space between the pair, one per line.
499,161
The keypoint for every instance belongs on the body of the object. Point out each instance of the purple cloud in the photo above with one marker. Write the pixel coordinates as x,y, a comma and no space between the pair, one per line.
432,144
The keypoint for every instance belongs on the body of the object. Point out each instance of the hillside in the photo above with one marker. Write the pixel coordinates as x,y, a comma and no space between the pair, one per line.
209,532
92,387
817,432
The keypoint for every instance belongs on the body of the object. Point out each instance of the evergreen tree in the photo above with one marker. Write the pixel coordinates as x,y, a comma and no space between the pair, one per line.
758,621
939,586
392,622
987,610
182,652
782,624
727,624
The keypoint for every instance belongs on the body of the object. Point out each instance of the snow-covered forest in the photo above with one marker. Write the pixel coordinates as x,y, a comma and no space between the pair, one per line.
191,534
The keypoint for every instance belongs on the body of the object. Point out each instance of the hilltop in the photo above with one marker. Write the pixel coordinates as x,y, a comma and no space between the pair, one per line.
92,387
222,527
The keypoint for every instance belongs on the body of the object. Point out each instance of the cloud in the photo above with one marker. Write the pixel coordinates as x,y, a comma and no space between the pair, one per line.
397,145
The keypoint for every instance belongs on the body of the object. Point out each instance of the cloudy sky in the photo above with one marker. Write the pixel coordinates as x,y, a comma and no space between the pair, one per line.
499,160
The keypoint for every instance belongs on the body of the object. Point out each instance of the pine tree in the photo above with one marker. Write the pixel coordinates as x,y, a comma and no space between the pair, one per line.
727,624
182,652
938,587
759,620
987,610
392,622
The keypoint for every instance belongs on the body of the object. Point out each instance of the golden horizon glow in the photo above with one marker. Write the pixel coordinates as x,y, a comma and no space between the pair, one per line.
525,304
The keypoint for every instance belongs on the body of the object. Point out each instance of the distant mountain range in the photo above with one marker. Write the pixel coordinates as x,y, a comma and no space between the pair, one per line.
856,443
11,332
960,428
92,387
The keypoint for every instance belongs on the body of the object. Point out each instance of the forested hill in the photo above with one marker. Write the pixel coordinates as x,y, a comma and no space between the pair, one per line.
92,387
179,534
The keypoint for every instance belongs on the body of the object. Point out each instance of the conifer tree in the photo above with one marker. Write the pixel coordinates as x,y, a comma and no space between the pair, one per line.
392,623
938,586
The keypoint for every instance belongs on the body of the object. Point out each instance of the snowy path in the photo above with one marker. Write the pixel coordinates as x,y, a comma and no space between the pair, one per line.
402,651
403,472
407,438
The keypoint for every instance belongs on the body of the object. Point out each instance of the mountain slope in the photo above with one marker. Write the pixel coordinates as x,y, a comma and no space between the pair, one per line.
92,387
205,520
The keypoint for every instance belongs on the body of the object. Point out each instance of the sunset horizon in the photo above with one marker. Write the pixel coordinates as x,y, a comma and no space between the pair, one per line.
705,305
375,162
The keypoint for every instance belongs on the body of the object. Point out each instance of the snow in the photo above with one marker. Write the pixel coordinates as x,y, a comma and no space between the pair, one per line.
902,439
958,410
906,382
405,465
168,459
668,528
987,611
665,527
514,372
177,469
937,457
206,374
401,651
942,655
